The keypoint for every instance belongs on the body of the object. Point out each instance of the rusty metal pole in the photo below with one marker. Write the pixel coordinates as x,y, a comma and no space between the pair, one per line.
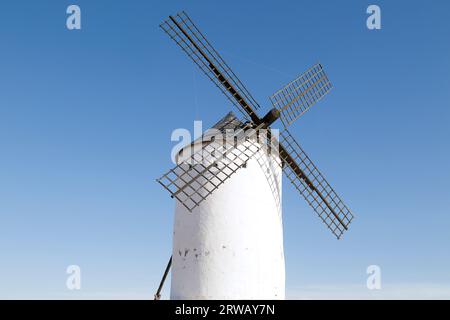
158,292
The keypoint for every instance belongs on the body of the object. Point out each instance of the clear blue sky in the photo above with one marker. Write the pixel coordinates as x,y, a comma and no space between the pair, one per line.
86,118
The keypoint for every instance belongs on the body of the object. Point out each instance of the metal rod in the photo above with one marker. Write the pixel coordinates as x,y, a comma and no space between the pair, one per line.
158,292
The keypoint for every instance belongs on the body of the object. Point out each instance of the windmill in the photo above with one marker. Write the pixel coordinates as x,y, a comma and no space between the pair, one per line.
215,165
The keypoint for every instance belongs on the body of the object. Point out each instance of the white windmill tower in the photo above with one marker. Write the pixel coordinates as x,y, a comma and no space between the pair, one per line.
228,238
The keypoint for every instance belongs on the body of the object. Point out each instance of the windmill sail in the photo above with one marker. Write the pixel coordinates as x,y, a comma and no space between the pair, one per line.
301,93
183,31
307,179
219,157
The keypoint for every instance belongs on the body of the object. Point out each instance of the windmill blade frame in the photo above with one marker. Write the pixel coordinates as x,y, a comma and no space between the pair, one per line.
194,179
313,186
294,99
186,34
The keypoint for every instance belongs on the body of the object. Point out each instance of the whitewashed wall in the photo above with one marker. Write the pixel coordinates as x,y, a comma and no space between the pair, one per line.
231,246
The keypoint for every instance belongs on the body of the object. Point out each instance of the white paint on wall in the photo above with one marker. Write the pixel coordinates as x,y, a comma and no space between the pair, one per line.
231,246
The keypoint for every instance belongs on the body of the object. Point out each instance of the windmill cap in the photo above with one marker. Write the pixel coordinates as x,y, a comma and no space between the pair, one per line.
228,122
